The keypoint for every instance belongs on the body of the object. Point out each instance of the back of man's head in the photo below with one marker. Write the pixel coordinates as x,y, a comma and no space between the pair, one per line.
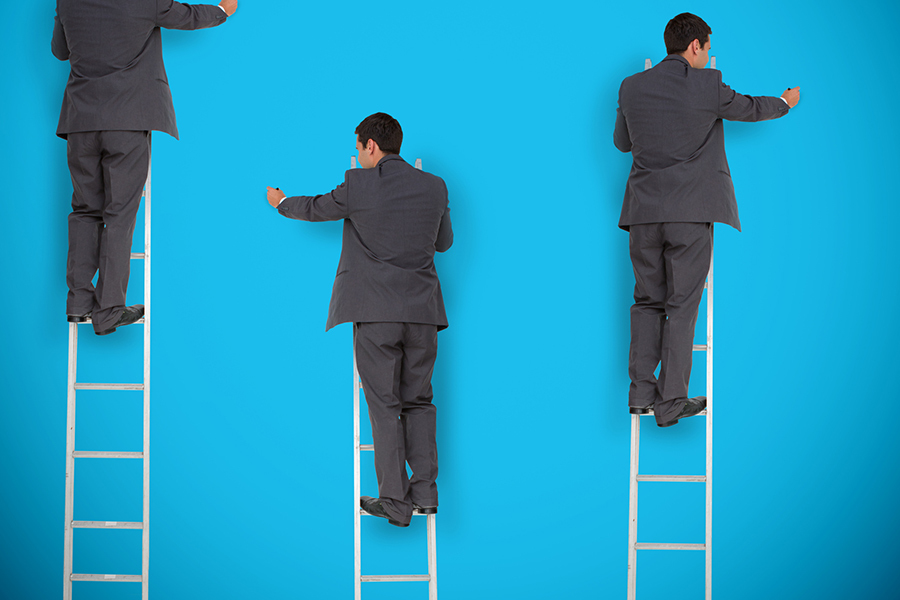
684,29
384,129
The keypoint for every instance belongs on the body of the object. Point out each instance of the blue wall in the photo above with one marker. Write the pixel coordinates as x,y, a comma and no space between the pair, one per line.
513,105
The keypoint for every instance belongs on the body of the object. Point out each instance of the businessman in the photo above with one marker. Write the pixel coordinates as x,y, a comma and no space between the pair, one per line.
670,119
395,218
116,94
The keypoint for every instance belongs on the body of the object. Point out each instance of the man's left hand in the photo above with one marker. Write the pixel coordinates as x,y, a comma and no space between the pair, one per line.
274,196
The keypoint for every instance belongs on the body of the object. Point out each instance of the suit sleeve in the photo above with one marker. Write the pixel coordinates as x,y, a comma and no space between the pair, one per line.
738,107
58,45
445,233
621,137
326,207
177,15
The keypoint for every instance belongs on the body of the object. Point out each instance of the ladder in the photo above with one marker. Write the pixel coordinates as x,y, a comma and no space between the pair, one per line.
358,513
635,477
72,454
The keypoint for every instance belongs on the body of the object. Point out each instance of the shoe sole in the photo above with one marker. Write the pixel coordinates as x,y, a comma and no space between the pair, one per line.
634,410
426,510
112,330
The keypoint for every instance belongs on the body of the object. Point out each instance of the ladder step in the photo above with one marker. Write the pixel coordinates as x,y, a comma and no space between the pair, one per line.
680,478
700,347
86,577
394,578
137,256
84,454
107,525
640,546
367,447
702,413
88,321
416,513
120,387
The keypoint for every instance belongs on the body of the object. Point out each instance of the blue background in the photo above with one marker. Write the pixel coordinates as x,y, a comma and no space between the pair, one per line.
513,105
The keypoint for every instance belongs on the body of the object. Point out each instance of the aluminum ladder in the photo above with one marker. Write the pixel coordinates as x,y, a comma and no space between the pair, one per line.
635,477
72,454
358,513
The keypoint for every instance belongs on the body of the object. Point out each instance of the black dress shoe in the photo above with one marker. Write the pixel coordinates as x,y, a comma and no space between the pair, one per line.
374,507
130,314
692,406
425,510
639,410
78,318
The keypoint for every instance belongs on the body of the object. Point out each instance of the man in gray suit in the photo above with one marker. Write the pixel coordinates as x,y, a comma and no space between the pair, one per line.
670,119
395,218
116,94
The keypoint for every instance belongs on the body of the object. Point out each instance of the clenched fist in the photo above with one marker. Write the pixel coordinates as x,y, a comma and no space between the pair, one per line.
229,6
792,96
274,196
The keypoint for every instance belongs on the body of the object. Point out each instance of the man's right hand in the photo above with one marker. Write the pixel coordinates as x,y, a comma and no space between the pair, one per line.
229,6
792,96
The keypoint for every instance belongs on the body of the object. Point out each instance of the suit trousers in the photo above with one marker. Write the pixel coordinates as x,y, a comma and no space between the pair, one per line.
108,169
395,362
671,262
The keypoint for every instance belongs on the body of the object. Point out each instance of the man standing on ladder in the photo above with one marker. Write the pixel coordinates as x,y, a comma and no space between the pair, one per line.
670,119
116,94
395,218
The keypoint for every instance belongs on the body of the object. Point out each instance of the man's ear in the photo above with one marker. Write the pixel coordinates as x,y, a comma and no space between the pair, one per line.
371,146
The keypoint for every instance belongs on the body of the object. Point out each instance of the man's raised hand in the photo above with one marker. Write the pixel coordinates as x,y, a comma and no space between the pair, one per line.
792,96
274,196
229,6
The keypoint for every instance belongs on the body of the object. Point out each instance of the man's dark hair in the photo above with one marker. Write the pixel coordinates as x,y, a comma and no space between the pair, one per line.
684,29
384,129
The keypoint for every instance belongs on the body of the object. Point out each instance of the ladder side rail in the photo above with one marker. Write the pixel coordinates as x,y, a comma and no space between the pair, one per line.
431,524
357,525
633,505
70,461
709,415
145,535
633,483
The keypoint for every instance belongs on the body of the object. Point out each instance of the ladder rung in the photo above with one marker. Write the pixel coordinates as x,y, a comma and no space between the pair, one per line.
671,478
394,578
86,577
367,447
700,347
416,513
109,386
88,321
645,546
702,413
87,454
137,256
108,524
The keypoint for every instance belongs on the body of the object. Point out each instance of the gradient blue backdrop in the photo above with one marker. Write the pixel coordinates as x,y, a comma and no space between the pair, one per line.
513,105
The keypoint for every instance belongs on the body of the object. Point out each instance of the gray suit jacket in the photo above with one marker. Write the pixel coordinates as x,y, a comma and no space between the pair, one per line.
395,218
670,118
118,81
